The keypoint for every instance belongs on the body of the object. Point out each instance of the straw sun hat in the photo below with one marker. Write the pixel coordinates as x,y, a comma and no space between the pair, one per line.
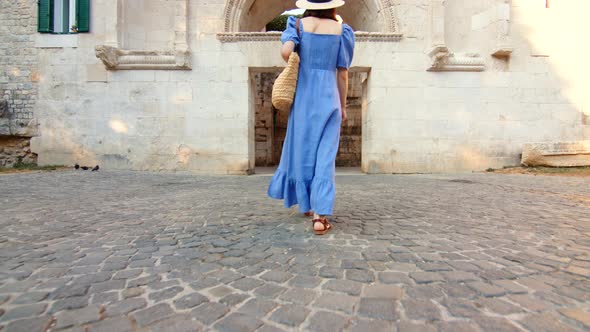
319,4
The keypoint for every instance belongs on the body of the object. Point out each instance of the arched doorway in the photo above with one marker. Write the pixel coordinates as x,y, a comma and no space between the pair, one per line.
244,23
361,15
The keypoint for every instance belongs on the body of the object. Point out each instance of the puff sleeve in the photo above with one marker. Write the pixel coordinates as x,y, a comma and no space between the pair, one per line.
290,33
346,47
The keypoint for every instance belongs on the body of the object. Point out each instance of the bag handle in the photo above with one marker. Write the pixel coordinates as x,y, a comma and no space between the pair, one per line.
297,24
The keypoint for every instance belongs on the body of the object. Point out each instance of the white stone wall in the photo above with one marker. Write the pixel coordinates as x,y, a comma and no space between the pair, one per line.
18,58
202,120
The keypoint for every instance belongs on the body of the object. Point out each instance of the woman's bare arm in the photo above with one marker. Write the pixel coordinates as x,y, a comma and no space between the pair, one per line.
287,49
342,79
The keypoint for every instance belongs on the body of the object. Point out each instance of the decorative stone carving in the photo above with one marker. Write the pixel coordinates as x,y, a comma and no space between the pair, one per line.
502,52
108,56
444,60
117,59
503,12
233,37
561,154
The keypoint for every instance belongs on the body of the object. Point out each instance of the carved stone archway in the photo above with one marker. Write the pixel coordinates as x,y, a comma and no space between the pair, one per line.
237,12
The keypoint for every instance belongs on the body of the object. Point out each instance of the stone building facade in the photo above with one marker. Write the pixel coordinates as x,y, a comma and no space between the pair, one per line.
449,85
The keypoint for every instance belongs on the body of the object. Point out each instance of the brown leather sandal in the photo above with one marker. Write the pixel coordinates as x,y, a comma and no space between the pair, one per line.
327,226
308,214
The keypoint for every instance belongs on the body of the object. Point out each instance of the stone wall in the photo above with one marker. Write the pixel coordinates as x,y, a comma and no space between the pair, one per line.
18,57
15,149
18,77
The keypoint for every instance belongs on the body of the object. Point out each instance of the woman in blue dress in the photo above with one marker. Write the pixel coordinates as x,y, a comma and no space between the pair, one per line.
306,172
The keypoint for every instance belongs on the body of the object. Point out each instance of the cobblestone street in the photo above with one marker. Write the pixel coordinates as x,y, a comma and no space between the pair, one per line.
125,251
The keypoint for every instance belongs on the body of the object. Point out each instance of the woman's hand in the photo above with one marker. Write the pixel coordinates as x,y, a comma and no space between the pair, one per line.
344,116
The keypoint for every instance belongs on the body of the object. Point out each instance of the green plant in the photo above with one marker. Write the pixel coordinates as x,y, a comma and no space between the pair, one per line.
490,170
279,23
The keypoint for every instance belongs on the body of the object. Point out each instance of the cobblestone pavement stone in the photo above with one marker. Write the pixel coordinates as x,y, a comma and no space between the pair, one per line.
125,251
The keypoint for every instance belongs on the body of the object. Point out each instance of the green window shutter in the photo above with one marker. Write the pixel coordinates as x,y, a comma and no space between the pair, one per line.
45,16
83,15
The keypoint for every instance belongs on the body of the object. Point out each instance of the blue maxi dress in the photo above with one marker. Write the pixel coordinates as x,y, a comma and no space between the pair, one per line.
306,172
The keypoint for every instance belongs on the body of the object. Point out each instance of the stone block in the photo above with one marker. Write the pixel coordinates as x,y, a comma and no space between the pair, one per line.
324,321
291,315
96,73
562,154
384,309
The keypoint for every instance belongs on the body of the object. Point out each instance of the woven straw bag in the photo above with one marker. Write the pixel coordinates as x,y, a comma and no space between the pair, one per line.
283,90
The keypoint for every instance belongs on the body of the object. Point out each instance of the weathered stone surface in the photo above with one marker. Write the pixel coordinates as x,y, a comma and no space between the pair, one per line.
385,309
69,291
324,321
305,282
132,292
299,296
457,326
246,284
234,299
383,291
258,307
426,277
75,302
495,324
32,297
360,275
238,322
105,298
290,315
190,301
276,276
337,302
461,308
24,311
152,314
577,314
486,289
29,324
344,286
421,310
165,294
544,323
394,278
562,154
124,307
269,291
77,317
119,324
209,312
107,286
177,323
